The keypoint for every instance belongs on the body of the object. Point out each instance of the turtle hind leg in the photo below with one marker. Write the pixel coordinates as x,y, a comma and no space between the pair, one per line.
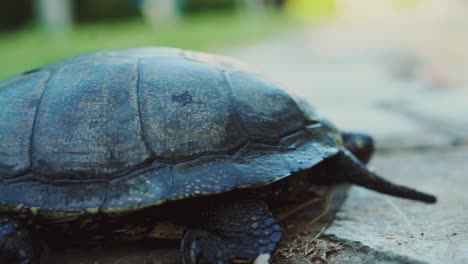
356,172
232,232
16,243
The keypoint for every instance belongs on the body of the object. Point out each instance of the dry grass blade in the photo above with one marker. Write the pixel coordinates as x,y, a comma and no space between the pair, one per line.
308,251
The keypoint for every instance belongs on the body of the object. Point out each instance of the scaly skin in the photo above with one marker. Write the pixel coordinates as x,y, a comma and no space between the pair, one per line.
16,243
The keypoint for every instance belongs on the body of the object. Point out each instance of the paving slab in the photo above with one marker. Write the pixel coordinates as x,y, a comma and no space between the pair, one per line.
430,233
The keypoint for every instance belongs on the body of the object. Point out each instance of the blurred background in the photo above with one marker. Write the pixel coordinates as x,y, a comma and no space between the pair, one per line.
33,32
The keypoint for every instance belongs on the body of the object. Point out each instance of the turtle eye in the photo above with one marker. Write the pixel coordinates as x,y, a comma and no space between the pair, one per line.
361,145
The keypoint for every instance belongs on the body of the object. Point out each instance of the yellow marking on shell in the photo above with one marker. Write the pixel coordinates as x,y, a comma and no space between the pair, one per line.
34,210
92,210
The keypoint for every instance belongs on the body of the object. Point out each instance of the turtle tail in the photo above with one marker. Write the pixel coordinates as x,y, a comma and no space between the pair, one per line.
359,174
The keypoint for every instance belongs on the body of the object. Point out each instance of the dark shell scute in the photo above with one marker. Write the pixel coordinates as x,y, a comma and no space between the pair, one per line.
30,192
189,113
146,187
303,150
266,111
79,196
87,122
261,164
63,196
18,103
207,175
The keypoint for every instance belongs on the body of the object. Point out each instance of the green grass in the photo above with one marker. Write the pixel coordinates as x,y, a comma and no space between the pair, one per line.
30,48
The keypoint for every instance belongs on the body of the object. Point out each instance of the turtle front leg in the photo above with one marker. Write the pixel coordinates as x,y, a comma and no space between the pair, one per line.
234,232
16,243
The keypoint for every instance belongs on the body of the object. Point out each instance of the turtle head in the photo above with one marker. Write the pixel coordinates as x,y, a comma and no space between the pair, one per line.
361,145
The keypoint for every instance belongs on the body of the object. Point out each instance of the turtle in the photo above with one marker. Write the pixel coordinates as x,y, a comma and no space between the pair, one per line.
159,142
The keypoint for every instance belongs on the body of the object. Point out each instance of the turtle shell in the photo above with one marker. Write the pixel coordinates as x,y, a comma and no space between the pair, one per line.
116,131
